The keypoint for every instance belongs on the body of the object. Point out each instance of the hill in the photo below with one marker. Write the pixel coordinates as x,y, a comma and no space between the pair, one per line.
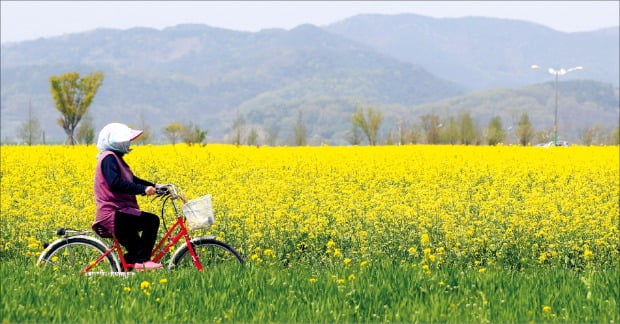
199,73
486,53
581,105
209,75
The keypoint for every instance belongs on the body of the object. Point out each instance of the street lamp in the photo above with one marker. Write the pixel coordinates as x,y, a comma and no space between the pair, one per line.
557,73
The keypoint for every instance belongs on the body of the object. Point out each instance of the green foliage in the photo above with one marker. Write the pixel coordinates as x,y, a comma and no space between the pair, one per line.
468,129
86,131
369,122
72,96
495,131
173,132
192,134
430,125
381,291
300,131
525,130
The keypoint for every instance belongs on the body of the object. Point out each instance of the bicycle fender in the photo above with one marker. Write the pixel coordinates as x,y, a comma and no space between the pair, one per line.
64,240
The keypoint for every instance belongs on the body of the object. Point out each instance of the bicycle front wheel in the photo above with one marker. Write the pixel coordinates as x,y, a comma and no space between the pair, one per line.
210,252
75,254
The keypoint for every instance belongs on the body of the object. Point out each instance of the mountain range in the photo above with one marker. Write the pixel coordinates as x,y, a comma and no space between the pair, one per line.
404,65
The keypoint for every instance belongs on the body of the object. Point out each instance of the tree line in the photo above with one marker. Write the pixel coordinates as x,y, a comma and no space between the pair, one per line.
73,95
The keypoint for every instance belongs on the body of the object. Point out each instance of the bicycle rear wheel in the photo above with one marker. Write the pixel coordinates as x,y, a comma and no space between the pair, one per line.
74,254
211,253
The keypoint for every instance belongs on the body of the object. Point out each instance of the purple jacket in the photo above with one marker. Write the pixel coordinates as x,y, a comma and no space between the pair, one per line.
108,201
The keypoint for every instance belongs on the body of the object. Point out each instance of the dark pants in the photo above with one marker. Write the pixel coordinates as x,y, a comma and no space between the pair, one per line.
127,230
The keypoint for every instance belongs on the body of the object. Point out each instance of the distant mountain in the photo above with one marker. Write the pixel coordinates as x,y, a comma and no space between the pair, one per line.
487,53
209,75
199,73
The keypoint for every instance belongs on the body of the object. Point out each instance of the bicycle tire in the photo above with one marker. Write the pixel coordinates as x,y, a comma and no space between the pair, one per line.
211,253
73,254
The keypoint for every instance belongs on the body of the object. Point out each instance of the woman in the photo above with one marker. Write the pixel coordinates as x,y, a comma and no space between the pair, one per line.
115,193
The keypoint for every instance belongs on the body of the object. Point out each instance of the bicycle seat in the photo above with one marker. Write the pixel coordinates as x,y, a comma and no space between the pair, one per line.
102,231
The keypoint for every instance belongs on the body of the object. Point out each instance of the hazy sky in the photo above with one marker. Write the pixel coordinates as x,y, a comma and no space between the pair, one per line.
26,20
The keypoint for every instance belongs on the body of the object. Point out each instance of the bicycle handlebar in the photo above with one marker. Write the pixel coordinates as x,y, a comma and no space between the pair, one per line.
169,190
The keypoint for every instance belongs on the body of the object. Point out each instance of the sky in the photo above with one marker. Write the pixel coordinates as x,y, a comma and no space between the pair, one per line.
28,20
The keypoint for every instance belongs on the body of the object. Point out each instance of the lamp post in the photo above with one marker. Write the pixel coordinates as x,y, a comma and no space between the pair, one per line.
557,73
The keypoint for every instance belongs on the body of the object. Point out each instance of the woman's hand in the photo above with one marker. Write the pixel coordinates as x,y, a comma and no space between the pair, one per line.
150,190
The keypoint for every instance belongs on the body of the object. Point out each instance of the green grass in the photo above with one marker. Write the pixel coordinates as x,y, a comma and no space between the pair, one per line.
380,292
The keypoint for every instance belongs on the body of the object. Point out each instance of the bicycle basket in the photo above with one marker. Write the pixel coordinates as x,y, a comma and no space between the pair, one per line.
198,213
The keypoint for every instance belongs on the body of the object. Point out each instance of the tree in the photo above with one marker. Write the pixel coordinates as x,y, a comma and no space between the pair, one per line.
450,135
467,129
411,133
253,137
391,138
173,132
30,130
543,136
495,131
594,135
237,129
146,130
272,135
300,133
192,134
614,137
355,136
86,131
525,131
73,95
430,125
369,123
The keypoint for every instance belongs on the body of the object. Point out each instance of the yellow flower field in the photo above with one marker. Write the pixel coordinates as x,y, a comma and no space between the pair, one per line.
432,206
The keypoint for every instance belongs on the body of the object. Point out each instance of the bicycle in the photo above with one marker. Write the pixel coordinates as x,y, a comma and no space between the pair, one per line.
80,250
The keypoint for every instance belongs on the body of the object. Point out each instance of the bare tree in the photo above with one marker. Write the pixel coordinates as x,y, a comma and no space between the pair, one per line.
272,135
253,137
300,131
431,125
355,136
237,129
30,130
146,130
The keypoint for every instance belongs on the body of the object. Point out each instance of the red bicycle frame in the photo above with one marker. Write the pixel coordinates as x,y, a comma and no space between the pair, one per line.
158,252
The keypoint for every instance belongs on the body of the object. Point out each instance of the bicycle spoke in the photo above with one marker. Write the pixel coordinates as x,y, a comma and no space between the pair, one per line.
74,257
210,255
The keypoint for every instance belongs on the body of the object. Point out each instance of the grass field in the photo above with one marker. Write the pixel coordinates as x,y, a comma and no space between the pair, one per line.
337,234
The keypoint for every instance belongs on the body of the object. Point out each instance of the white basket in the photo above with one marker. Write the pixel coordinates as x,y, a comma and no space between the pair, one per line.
198,213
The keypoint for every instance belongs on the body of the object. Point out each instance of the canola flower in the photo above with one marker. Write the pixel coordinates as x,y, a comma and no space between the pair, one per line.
433,206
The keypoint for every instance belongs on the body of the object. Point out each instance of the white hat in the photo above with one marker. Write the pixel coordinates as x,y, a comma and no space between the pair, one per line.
116,133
